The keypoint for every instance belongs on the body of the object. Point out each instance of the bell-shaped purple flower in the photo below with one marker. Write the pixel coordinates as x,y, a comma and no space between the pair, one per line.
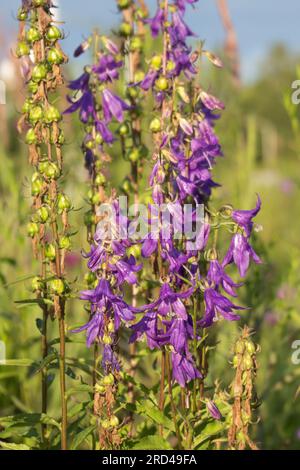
244,218
215,305
218,277
183,369
213,410
113,106
240,252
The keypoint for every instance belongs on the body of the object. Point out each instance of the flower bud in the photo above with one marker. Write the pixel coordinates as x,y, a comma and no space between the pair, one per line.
38,3
52,114
135,44
32,229
124,129
111,326
54,56
64,243
37,284
114,421
132,92
170,66
53,34
247,362
90,278
50,170
250,347
226,211
156,62
123,4
32,86
134,250
22,14
125,29
105,424
89,218
100,179
43,214
22,49
98,138
27,106
30,138
108,379
162,84
33,35
155,125
134,155
35,114
139,76
57,286
106,339
50,251
63,203
99,388
36,187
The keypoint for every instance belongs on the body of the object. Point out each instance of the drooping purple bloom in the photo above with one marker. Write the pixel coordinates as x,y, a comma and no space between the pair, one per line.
178,30
156,23
215,305
218,277
183,369
181,4
113,106
107,135
244,217
107,68
213,410
240,252
109,360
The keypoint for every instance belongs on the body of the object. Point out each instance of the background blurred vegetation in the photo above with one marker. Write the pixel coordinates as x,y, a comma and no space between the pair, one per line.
262,156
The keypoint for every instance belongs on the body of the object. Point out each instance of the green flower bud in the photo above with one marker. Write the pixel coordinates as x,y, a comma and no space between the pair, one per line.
38,3
125,29
33,35
30,138
53,34
162,84
170,65
57,286
235,361
22,14
63,203
54,56
50,251
135,44
134,250
100,179
250,347
124,129
51,171
89,218
226,211
132,92
27,106
155,125
35,114
90,144
126,186
247,361
105,424
43,214
139,76
96,199
65,243
108,379
37,284
99,388
32,229
90,278
52,114
240,347
98,138
36,187
22,49
123,4
114,421
156,62
111,327
107,339
134,155
33,86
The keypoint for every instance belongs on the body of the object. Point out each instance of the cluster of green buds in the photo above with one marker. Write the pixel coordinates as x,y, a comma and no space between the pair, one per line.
243,393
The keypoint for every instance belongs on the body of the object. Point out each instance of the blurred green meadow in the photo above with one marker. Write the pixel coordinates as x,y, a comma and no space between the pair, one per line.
260,136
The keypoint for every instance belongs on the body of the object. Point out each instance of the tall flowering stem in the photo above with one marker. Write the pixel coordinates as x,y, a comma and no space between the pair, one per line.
42,57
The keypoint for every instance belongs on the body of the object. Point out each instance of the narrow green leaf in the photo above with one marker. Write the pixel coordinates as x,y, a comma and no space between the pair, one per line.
82,436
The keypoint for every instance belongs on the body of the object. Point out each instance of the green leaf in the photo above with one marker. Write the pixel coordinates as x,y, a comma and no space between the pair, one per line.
17,362
155,415
11,446
27,420
79,389
208,432
152,443
81,436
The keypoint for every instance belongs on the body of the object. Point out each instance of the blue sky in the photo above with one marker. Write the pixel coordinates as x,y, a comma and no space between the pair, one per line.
259,23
